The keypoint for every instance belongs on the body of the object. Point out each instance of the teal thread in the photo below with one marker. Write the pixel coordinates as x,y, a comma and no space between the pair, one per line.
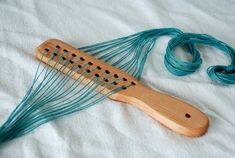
53,94
130,53
219,73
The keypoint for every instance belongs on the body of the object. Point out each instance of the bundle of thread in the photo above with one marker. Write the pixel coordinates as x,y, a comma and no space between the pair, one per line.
53,94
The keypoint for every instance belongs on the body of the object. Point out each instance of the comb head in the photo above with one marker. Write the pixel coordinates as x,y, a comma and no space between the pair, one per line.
54,52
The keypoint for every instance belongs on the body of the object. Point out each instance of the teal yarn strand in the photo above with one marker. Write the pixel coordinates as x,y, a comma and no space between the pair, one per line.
218,73
130,53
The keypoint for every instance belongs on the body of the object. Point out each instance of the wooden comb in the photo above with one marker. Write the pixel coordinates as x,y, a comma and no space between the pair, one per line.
173,113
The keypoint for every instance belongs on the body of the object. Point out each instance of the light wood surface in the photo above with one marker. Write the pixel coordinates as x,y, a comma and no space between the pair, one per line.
173,113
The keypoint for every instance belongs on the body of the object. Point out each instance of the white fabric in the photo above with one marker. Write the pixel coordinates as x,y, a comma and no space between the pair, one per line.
111,129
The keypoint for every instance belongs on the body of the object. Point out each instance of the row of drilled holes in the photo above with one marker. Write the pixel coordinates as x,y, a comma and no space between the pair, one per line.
99,68
90,63
107,72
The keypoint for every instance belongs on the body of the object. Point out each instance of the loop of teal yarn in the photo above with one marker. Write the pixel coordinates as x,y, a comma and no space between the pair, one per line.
179,67
222,74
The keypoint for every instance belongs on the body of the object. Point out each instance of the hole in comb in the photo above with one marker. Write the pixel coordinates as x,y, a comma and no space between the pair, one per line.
71,61
90,63
106,80
115,75
98,67
65,50
187,115
97,75
47,50
115,83
74,55
80,66
123,87
124,79
88,71
58,47
63,58
107,72
133,83
82,59
55,54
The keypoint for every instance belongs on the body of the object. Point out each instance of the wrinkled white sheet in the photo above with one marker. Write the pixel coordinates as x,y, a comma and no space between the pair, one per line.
112,129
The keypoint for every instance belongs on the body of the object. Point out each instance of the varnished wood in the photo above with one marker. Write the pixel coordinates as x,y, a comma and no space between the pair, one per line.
173,113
